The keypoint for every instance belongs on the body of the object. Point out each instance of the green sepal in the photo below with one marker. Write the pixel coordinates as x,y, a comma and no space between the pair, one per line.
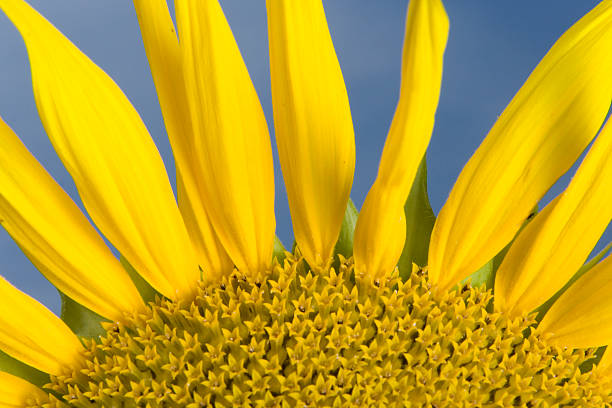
82,321
486,274
147,292
344,246
294,247
279,250
18,368
590,363
541,311
420,220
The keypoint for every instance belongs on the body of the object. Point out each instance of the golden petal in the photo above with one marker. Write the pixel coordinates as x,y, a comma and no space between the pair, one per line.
558,241
15,392
381,226
313,125
232,143
34,335
581,317
57,237
164,54
109,153
544,129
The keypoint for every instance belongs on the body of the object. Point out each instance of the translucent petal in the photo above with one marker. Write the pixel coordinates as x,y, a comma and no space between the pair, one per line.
31,333
16,392
109,153
313,125
581,316
232,143
558,241
540,134
381,227
57,237
162,47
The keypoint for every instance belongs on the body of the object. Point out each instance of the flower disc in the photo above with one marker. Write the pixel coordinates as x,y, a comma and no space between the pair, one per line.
305,338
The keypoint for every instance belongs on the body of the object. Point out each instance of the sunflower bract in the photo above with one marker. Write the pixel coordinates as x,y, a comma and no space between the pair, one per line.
237,322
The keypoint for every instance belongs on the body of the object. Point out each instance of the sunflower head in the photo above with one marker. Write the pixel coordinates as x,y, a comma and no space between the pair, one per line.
318,338
204,307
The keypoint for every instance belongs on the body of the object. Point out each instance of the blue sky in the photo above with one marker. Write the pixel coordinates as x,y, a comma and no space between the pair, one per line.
492,48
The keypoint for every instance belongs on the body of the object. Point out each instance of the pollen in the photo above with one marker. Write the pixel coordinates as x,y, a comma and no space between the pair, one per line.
325,338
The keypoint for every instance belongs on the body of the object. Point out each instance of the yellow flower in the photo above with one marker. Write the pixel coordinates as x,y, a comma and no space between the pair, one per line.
201,310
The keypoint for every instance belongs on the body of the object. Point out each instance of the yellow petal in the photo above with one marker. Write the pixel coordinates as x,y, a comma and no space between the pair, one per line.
540,134
15,392
558,240
212,256
57,237
313,125
164,54
381,227
32,334
110,155
605,365
162,48
231,140
581,316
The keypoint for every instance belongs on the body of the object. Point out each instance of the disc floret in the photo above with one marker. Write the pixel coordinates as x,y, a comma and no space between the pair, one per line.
315,338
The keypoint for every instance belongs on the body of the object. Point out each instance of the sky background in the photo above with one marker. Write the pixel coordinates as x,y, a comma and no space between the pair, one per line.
492,48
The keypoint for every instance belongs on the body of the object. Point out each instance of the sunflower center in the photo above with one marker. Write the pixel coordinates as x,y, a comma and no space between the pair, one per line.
322,338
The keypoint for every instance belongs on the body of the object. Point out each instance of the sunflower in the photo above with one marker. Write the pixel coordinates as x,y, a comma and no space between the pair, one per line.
491,305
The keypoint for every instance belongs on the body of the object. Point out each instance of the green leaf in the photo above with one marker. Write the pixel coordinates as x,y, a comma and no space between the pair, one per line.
82,321
344,246
584,269
420,220
279,250
147,292
17,368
